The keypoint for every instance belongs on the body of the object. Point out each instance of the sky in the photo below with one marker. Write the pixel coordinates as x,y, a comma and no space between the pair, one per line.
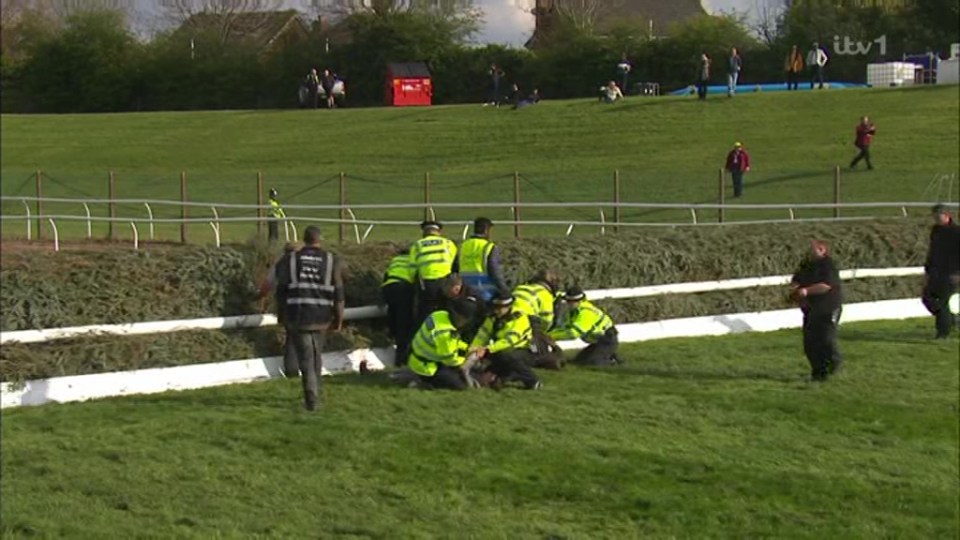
510,22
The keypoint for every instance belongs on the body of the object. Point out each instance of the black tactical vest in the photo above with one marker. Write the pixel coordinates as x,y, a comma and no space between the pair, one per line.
310,293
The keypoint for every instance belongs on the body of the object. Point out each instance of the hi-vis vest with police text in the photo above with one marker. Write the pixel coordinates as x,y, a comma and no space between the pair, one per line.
400,270
587,322
437,342
311,290
275,209
536,301
433,256
474,254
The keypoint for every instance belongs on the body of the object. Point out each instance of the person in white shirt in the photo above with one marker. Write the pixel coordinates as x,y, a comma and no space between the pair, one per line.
610,93
816,60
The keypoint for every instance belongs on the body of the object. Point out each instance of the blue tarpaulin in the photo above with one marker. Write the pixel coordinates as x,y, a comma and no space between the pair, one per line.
765,87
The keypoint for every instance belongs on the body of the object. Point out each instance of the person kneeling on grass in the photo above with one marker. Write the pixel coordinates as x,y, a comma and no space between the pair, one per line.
438,356
504,341
589,323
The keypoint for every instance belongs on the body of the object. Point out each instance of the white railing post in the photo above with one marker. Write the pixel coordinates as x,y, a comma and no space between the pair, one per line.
56,235
466,229
149,213
216,232
603,221
693,215
29,228
356,228
293,229
89,222
433,215
903,210
367,232
136,235
570,229
792,217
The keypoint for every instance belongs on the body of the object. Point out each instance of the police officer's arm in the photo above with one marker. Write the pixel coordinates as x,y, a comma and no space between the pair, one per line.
451,349
512,336
414,250
823,278
495,270
569,330
339,296
455,266
483,335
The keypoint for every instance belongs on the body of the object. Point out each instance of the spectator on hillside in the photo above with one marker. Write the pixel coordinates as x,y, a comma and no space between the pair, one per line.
532,99
865,132
738,162
327,82
623,69
610,93
794,67
312,83
515,96
703,76
816,61
734,65
496,75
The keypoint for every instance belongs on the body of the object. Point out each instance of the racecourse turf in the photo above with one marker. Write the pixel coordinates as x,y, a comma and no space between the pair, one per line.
693,438
667,149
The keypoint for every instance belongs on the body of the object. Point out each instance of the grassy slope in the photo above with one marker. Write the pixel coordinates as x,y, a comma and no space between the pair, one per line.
695,437
667,149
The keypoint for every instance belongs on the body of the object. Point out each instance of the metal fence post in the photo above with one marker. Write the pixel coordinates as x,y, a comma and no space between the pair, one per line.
721,197
516,204
616,200
183,206
112,195
39,179
836,192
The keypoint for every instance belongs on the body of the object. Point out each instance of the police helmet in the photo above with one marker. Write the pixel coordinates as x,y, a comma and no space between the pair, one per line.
273,193
431,225
575,294
502,301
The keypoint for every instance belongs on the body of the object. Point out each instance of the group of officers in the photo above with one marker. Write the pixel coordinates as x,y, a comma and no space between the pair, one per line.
457,325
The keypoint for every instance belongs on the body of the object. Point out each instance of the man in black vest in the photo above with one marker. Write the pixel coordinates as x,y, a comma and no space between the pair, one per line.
314,304
942,269
290,366
816,288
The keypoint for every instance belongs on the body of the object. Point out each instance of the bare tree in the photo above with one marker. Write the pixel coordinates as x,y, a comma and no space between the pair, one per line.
342,8
220,16
768,19
584,14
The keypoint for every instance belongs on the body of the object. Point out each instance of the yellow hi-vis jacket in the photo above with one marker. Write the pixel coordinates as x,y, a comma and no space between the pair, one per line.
433,256
275,209
474,253
587,322
437,342
510,332
536,301
400,270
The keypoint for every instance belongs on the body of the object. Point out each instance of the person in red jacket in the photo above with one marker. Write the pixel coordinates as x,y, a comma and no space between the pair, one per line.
865,132
738,162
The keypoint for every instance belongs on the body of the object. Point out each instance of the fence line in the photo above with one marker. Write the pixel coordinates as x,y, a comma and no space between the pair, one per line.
369,312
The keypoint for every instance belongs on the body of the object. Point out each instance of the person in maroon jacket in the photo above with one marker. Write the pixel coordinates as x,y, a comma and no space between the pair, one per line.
738,162
865,132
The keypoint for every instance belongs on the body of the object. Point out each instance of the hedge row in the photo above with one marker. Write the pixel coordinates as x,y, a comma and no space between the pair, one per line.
45,290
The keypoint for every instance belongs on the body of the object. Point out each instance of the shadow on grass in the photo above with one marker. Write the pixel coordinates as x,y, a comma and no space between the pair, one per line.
699,375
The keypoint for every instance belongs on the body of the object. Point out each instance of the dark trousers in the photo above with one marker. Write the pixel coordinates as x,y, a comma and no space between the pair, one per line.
601,353
273,229
816,75
864,155
737,182
514,364
495,95
793,80
446,378
308,346
399,298
702,88
429,299
820,343
291,368
936,294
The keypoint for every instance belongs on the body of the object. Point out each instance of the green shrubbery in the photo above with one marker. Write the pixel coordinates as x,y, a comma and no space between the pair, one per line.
48,290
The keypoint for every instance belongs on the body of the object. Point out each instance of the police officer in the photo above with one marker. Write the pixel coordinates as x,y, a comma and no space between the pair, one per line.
314,304
536,300
276,214
479,262
589,323
942,269
816,288
434,258
398,293
504,341
290,366
439,352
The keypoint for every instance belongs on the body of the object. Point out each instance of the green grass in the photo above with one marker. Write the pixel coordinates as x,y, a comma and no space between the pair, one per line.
667,149
714,437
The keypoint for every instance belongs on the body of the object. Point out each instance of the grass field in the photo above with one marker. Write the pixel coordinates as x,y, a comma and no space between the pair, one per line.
667,150
714,437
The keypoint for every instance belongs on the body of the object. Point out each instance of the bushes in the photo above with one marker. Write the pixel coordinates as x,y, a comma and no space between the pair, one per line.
47,290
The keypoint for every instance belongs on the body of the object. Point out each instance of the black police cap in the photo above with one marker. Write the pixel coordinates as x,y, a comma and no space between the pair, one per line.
430,224
502,301
575,294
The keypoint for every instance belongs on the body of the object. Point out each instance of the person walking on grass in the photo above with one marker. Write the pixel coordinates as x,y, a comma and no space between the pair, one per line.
738,162
865,133
816,289
816,60
703,76
734,65
794,67
942,269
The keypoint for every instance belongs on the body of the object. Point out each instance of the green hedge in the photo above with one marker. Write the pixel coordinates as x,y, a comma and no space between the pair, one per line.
47,290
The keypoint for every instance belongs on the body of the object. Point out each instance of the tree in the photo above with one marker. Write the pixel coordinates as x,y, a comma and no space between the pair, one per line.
221,19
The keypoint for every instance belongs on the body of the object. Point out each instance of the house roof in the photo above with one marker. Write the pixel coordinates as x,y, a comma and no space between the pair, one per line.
259,27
